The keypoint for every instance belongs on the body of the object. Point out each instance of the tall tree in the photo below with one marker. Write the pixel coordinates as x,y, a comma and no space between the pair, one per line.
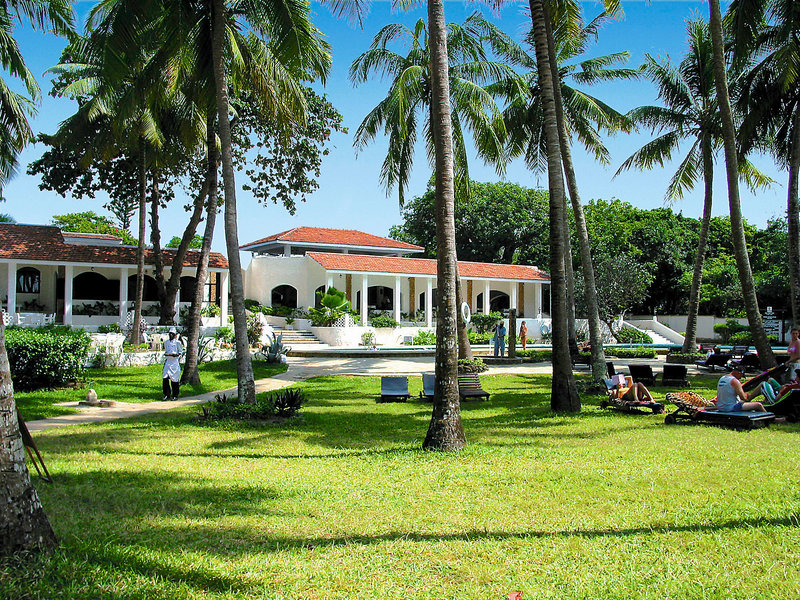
766,357
690,114
564,394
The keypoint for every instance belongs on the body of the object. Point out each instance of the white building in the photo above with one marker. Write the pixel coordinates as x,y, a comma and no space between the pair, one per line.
289,268
87,280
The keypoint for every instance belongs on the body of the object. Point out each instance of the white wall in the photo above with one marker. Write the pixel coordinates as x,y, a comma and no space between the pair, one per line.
267,272
705,324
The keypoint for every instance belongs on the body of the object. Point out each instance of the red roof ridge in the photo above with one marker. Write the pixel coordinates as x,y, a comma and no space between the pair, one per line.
304,234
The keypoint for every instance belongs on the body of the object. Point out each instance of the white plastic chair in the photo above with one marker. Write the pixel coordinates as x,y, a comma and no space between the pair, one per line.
49,319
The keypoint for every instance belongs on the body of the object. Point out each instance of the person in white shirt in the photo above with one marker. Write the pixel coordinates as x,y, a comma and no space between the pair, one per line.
171,374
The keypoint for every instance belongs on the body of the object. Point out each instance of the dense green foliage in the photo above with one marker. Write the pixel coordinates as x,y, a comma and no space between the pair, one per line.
424,338
283,404
90,222
46,357
629,335
383,321
630,352
485,322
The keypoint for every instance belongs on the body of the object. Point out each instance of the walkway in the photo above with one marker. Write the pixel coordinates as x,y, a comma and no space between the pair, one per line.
300,368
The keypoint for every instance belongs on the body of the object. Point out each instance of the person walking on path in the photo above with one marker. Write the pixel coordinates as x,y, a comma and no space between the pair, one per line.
171,374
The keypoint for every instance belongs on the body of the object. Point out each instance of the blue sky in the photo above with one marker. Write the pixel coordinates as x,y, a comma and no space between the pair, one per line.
350,195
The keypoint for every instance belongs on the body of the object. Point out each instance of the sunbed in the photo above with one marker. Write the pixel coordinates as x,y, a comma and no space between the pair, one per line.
715,360
629,406
642,374
428,386
469,386
674,375
394,389
693,408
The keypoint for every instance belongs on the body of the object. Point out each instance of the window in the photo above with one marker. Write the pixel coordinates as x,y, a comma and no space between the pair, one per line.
188,285
28,280
93,286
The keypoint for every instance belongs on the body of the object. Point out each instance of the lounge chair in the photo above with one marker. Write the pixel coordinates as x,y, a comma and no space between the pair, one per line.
787,406
749,362
642,374
629,406
610,369
693,408
715,360
674,375
394,389
428,386
739,351
469,386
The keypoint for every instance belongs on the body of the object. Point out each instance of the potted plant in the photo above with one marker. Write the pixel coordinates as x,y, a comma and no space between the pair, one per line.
290,322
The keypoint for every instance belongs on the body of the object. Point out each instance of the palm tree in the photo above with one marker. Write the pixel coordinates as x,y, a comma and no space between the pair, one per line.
765,355
564,394
768,32
23,523
578,113
691,113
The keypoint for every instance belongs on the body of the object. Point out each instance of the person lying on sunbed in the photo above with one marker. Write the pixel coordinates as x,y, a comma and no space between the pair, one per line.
630,391
732,398
774,391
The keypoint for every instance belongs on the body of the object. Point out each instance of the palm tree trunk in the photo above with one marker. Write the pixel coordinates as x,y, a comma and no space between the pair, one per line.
136,331
690,339
23,523
464,347
191,374
793,217
445,431
584,247
158,257
765,355
173,284
244,366
569,277
564,395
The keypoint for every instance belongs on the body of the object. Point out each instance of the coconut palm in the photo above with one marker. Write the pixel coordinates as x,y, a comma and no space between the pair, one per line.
690,114
767,33
763,347
582,116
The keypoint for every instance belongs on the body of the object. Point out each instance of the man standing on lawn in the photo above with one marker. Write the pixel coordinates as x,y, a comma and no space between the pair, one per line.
171,374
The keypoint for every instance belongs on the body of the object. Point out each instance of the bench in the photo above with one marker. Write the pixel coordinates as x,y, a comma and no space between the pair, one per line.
469,386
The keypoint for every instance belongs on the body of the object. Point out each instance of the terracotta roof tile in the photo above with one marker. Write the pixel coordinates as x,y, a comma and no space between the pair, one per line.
423,266
45,243
339,237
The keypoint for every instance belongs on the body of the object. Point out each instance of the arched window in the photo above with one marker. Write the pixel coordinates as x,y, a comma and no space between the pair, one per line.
380,297
150,293
93,286
28,280
284,295
188,285
318,296
499,301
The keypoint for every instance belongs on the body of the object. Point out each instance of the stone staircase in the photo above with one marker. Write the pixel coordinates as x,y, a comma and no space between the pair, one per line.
297,338
657,339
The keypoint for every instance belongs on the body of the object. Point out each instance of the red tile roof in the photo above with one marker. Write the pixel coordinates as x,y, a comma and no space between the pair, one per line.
46,243
333,237
423,266
99,236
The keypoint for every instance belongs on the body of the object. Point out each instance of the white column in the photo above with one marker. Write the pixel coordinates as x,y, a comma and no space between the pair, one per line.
364,287
396,299
513,285
539,300
428,302
123,296
487,290
330,282
176,319
11,307
68,272
287,250
223,298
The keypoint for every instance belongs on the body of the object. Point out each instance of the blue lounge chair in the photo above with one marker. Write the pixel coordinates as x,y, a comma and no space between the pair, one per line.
428,386
394,389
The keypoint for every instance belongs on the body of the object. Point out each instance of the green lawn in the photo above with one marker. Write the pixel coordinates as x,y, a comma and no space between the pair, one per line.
133,384
342,503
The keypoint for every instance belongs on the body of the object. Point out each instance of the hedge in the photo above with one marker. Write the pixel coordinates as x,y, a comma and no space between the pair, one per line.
46,357
631,352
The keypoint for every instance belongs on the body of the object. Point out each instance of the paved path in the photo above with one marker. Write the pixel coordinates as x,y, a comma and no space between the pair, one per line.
300,368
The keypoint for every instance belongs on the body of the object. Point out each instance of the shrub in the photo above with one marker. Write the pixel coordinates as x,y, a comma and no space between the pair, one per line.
629,335
286,403
112,328
46,358
631,352
424,338
283,404
536,355
729,328
224,335
483,323
254,329
683,358
368,339
479,338
211,310
384,321
471,366
740,338
252,305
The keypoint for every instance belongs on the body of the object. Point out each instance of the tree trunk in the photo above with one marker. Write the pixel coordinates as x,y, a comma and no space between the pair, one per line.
136,330
244,366
584,247
564,395
793,217
191,374
464,347
23,522
173,284
158,257
765,355
690,339
445,431
569,278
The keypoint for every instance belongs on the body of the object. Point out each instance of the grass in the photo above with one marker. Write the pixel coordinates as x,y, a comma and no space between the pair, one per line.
342,503
133,384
